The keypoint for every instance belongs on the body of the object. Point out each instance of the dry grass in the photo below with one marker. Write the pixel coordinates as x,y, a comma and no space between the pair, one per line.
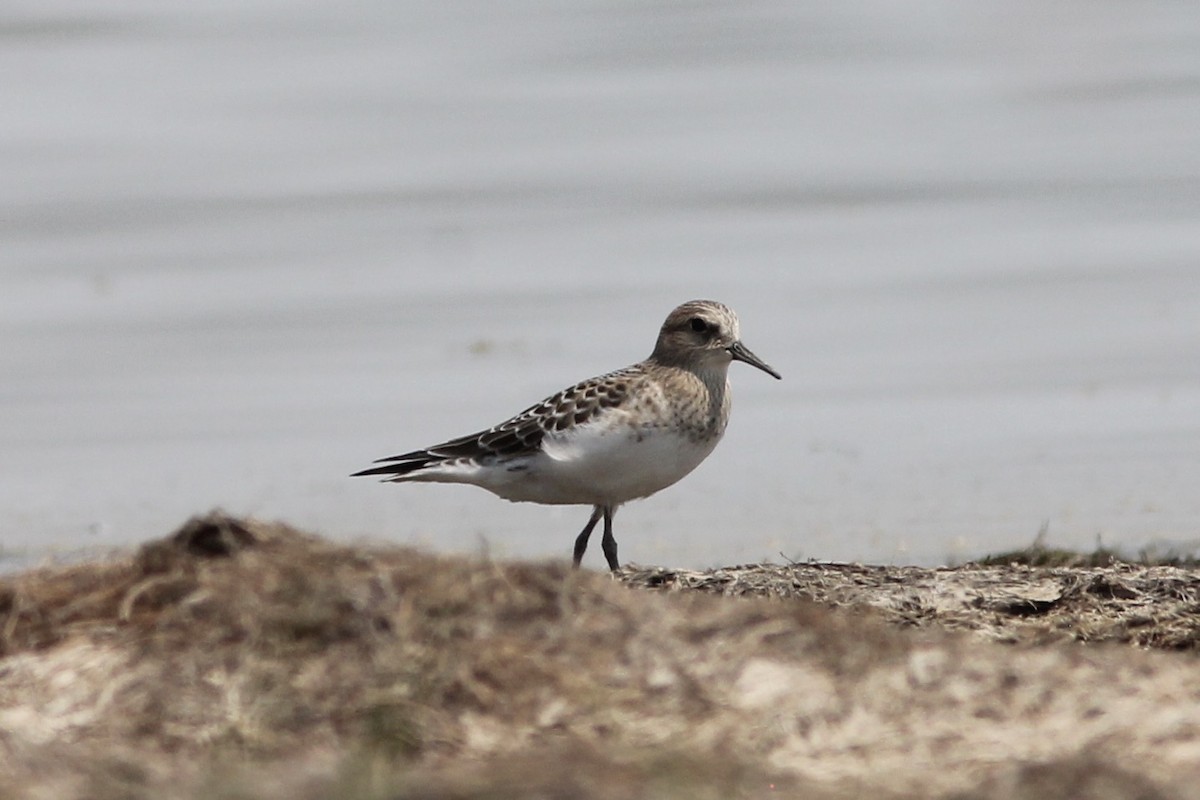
1146,606
239,659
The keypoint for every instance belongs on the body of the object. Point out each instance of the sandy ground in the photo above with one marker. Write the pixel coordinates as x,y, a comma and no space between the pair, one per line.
236,658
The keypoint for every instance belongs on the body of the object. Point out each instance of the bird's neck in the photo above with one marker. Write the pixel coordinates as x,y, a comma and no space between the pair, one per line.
716,383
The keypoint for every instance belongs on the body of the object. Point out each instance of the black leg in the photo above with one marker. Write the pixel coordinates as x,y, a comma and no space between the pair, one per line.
608,542
581,541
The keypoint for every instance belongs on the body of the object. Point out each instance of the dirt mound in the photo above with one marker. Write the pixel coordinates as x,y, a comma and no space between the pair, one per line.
244,659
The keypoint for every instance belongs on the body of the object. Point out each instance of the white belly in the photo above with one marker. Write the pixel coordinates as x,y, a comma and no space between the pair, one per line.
602,465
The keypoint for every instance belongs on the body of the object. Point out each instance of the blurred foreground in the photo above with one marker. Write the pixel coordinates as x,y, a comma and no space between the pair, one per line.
239,658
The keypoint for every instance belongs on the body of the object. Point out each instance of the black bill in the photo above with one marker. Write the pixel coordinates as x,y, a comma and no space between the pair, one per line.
740,352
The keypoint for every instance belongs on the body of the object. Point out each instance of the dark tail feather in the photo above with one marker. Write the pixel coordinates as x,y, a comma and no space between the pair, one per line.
400,465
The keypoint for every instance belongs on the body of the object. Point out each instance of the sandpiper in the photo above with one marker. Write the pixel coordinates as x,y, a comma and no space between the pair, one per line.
609,439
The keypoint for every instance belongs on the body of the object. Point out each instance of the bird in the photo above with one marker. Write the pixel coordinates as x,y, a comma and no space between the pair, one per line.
607,440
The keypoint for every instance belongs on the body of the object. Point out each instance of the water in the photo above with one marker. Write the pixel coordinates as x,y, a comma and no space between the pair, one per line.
248,247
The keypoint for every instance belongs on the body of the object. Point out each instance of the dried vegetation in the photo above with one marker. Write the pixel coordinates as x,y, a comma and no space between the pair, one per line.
1143,605
241,659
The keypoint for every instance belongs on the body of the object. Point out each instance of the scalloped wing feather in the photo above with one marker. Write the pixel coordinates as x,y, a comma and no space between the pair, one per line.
522,434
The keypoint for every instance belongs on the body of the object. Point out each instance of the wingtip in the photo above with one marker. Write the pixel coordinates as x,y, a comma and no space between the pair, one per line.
391,464
389,469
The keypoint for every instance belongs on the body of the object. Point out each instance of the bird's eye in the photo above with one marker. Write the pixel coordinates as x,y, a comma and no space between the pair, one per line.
698,325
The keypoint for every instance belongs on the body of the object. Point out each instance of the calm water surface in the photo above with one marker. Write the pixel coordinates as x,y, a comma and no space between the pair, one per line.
245,248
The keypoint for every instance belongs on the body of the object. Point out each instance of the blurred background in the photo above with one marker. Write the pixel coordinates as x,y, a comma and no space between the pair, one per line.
247,247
